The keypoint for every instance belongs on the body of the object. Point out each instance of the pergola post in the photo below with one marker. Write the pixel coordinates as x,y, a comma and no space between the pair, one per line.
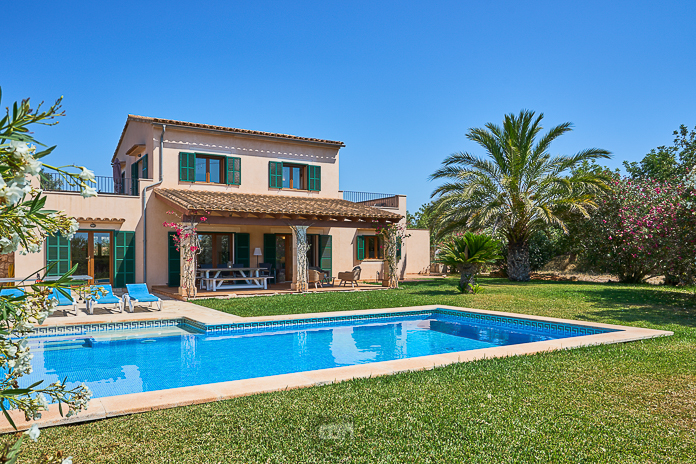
300,247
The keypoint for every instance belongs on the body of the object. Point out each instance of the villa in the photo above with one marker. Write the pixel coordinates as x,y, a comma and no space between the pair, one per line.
250,186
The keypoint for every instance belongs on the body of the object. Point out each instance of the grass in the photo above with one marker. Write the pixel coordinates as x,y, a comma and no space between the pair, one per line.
629,403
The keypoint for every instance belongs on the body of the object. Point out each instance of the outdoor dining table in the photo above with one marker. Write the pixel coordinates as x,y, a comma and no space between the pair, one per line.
12,280
214,280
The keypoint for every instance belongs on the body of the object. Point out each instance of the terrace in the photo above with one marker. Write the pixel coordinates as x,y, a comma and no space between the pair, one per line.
105,185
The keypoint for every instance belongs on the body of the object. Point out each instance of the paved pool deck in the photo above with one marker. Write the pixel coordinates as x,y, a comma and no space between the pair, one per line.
102,408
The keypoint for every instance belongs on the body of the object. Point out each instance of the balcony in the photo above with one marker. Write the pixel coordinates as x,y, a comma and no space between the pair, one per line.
378,200
54,182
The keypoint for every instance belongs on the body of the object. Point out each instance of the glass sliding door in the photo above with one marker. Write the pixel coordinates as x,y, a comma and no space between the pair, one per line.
92,253
79,253
101,257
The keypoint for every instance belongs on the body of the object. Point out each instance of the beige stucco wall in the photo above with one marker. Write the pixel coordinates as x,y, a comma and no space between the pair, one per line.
102,210
255,154
417,256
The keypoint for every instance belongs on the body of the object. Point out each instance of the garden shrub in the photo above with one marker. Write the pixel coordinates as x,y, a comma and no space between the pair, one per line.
642,229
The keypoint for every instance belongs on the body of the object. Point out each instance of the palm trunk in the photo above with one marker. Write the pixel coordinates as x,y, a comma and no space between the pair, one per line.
518,262
467,278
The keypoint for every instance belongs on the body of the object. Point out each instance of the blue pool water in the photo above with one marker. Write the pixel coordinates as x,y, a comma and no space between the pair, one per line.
118,362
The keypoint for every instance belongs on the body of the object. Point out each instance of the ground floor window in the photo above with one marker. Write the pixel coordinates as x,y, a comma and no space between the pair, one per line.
217,250
374,249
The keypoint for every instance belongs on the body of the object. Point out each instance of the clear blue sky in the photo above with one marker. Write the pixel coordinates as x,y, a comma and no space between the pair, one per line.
400,83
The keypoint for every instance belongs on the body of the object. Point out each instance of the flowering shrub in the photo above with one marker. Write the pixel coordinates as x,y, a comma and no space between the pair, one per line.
187,243
643,229
24,226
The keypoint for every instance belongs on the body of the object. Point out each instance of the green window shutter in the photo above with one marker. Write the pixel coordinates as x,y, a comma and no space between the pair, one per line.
234,170
398,249
314,176
241,249
360,249
325,254
57,254
124,258
275,174
173,262
144,167
134,179
187,167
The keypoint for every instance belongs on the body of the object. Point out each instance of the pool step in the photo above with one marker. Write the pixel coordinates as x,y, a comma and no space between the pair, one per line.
52,345
144,336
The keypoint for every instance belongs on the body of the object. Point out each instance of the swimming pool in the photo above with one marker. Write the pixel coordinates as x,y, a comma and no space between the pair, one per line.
123,359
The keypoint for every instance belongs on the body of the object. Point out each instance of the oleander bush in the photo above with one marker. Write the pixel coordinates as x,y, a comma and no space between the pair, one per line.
643,229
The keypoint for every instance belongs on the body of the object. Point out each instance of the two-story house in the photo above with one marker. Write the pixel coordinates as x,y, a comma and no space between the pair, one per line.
251,186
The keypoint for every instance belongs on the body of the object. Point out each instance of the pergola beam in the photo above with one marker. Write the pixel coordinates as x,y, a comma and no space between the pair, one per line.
273,221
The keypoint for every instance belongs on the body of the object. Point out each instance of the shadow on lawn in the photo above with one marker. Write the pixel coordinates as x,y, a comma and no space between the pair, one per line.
628,304
623,303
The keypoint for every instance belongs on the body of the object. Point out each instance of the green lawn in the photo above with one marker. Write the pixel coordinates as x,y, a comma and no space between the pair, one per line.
629,403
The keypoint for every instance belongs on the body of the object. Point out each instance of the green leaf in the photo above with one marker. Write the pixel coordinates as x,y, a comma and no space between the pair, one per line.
7,415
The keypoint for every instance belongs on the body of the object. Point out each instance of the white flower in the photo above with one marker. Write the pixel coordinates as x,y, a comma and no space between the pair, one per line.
42,401
20,149
33,432
33,167
67,460
88,191
87,175
74,226
13,194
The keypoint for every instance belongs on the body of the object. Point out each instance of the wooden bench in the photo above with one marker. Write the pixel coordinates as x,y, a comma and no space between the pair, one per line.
218,282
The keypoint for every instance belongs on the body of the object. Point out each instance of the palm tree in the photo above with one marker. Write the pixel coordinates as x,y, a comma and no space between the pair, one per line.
518,188
467,253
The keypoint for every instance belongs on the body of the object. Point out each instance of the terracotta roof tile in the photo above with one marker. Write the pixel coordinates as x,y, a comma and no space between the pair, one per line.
200,200
173,122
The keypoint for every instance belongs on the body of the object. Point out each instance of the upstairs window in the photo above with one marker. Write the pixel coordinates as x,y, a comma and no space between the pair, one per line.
294,176
211,169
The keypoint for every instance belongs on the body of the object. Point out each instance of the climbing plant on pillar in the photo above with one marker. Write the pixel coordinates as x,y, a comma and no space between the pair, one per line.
300,233
187,243
392,237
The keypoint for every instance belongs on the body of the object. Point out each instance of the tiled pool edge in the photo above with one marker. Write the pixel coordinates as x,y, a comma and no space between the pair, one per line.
515,321
113,406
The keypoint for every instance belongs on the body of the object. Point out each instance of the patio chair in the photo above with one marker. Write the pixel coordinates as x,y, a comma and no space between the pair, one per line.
12,292
315,277
140,294
350,276
267,270
63,300
109,298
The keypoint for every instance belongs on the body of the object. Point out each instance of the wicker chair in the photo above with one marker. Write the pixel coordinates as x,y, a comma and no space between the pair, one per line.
315,277
350,276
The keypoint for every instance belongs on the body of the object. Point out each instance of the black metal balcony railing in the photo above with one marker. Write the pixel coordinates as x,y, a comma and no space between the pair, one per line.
104,185
379,200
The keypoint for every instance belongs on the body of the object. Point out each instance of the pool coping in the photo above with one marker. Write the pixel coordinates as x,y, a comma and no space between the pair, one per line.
133,403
